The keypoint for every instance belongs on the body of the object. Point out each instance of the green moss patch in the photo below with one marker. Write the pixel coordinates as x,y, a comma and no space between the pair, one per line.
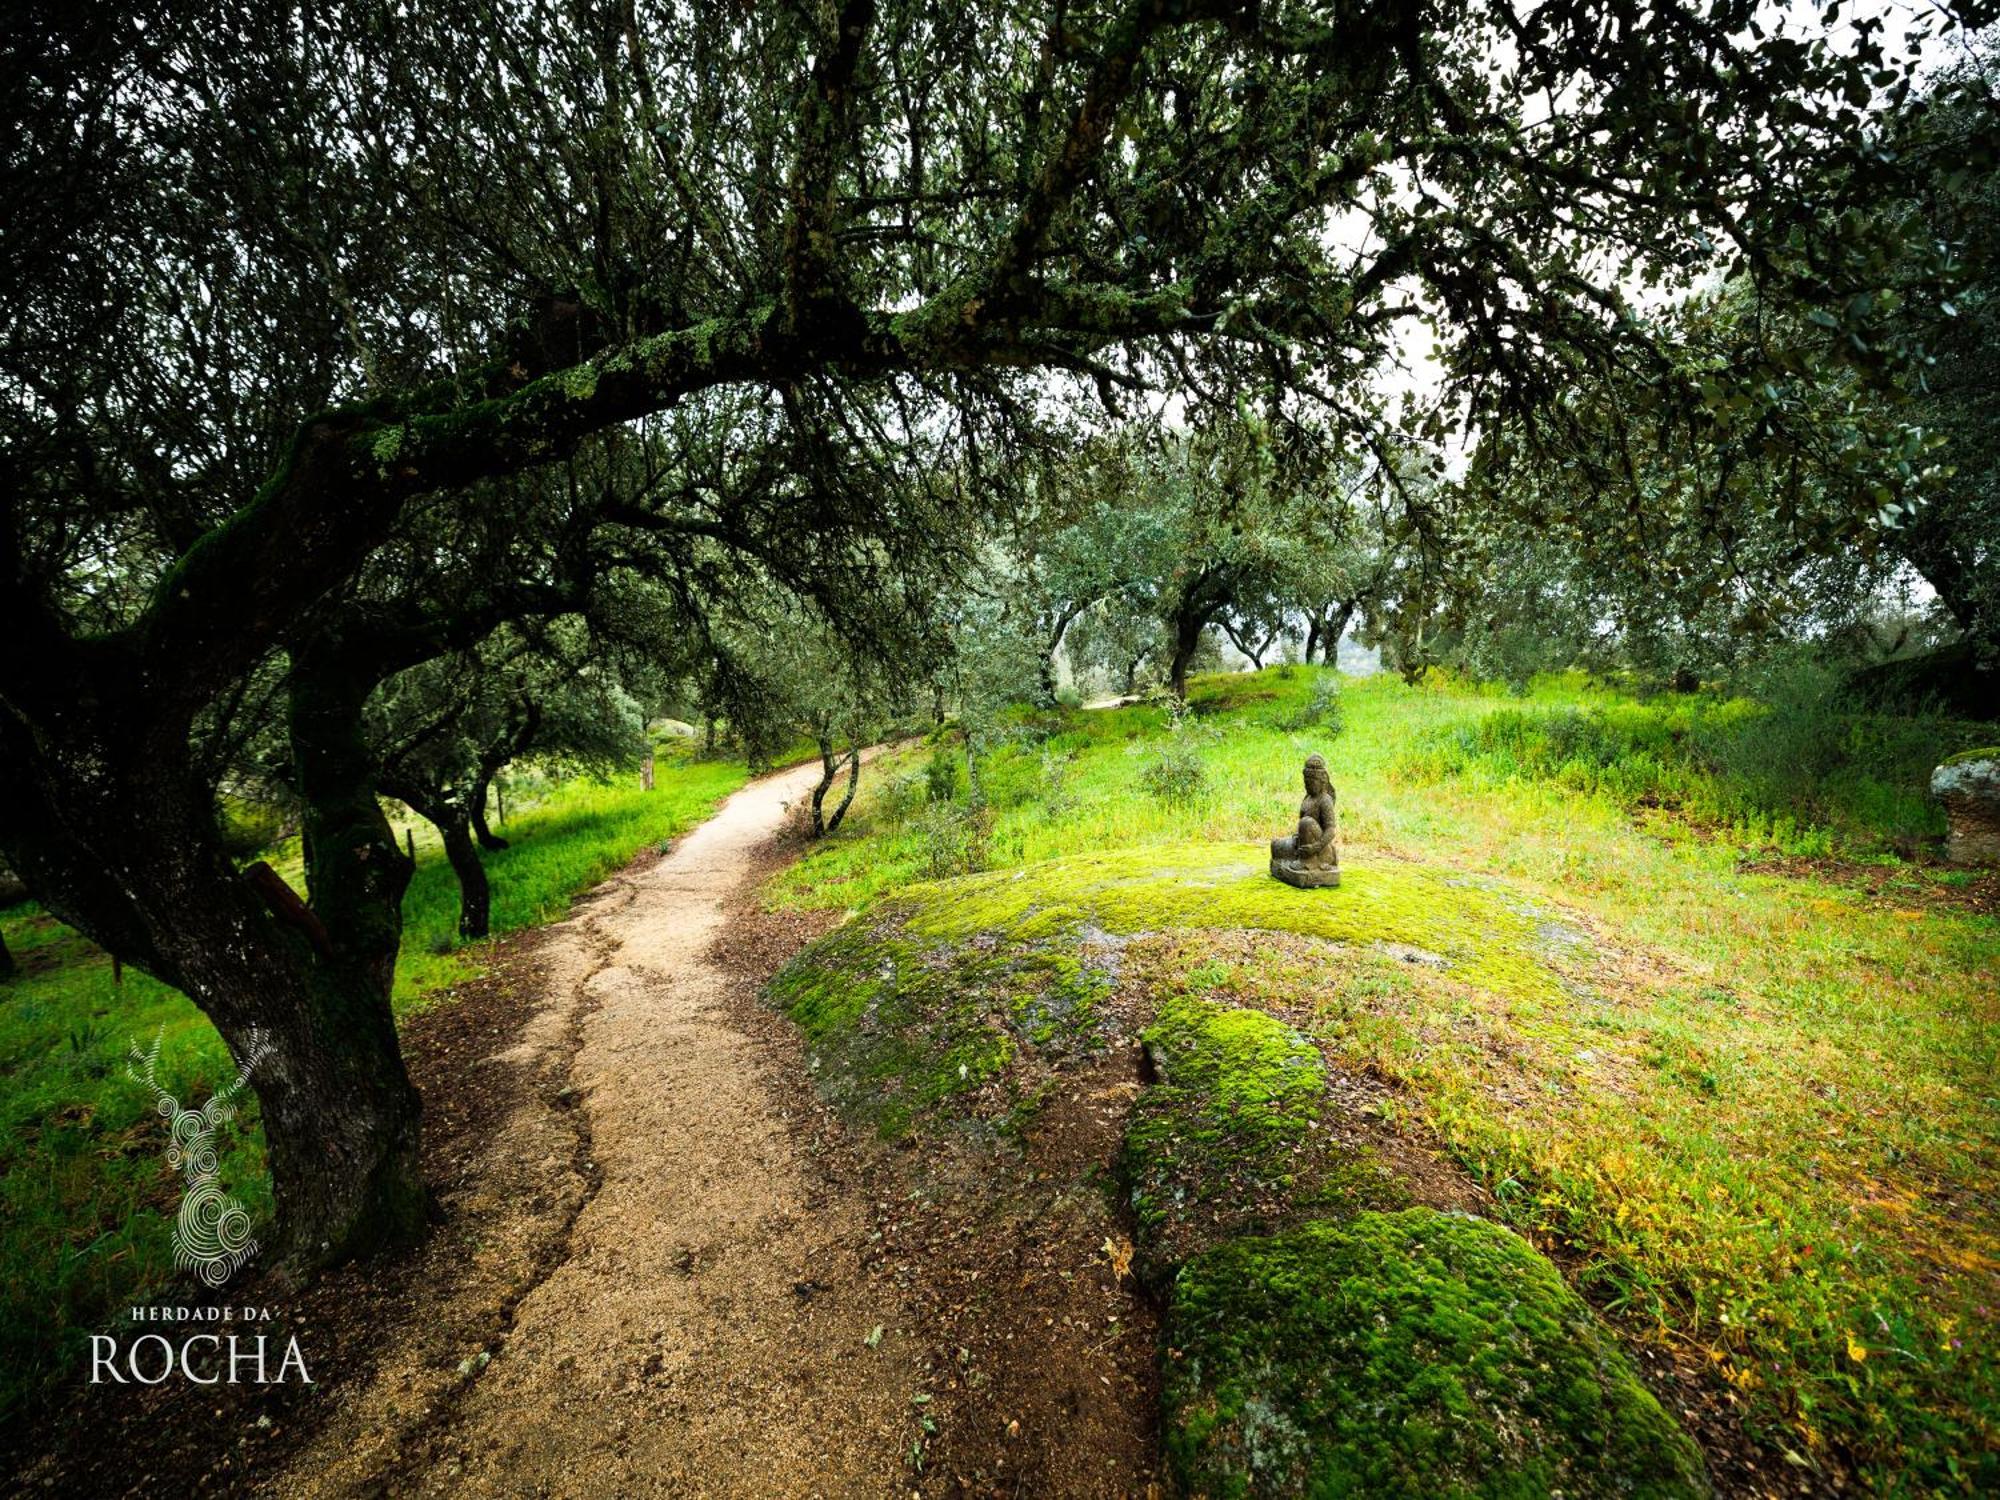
899,1023
1485,932
1413,1354
1233,1137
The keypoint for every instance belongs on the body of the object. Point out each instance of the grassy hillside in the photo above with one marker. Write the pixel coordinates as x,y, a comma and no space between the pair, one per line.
86,1198
1752,1114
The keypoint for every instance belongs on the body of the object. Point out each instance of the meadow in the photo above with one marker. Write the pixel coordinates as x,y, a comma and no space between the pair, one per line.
1709,1021
86,1198
1717,1032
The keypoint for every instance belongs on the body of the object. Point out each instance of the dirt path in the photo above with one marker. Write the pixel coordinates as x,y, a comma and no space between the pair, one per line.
705,1327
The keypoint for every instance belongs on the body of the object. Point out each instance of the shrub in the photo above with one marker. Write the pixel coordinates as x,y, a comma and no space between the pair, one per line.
953,841
1321,710
1177,773
941,774
1057,799
1780,759
900,797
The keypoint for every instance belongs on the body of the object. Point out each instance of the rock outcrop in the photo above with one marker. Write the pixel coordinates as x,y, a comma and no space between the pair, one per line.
1969,787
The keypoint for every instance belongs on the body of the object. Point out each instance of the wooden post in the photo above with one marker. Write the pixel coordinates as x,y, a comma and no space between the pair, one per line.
646,772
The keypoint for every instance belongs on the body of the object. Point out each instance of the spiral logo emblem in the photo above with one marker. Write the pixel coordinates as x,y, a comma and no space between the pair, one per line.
212,1233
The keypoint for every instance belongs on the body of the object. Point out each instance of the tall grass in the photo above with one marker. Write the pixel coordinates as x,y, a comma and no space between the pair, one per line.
86,1198
1798,770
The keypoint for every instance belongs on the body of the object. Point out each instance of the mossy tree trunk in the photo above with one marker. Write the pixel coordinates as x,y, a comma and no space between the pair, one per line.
362,1188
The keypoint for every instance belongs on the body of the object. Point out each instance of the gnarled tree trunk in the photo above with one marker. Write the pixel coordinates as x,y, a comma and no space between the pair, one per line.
487,838
451,816
475,892
104,817
1188,625
829,772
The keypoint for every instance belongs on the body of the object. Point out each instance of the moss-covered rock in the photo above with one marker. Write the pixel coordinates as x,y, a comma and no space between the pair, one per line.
1317,1342
932,994
898,1023
1487,933
1417,1354
1231,1137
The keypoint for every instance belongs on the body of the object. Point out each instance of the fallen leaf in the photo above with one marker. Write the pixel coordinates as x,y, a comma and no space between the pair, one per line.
1119,1252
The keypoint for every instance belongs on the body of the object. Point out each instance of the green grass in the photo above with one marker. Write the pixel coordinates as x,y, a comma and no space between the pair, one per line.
86,1198
1756,1116
1802,777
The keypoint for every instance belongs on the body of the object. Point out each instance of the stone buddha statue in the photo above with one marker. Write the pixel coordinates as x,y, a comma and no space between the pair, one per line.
1309,857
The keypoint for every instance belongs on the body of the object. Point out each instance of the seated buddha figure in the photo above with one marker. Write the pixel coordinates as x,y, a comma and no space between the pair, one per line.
1310,855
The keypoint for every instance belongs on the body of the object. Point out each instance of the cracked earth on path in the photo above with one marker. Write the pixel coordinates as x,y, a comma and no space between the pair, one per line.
705,1328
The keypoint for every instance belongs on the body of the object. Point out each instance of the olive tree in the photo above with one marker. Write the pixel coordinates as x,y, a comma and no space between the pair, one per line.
441,731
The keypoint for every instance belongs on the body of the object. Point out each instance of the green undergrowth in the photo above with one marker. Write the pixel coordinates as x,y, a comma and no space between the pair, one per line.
1414,1354
86,1198
1802,777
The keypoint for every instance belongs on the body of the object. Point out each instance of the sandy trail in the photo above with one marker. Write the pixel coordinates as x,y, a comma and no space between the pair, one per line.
706,1329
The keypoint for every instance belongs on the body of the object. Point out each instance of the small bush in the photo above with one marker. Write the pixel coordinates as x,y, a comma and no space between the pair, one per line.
953,842
1057,798
941,774
1178,773
901,797
1322,709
